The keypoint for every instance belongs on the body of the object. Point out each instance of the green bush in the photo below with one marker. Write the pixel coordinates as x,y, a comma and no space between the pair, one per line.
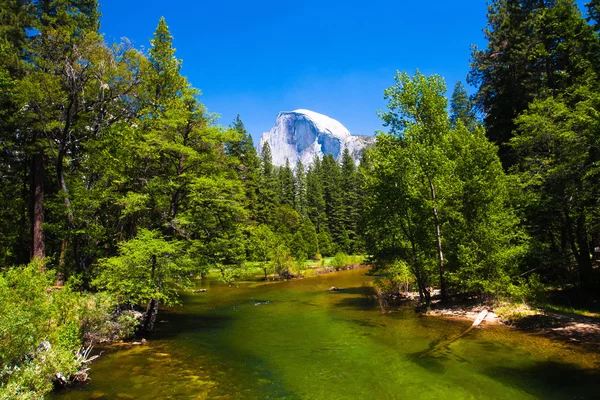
42,329
40,332
343,260
340,261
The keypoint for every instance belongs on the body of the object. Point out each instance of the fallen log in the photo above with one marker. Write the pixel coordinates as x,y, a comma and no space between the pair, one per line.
445,343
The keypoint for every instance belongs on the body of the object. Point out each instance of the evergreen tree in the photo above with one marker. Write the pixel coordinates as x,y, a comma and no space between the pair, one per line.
286,185
535,50
556,143
594,13
461,108
351,211
267,194
332,193
310,238
242,148
315,200
300,188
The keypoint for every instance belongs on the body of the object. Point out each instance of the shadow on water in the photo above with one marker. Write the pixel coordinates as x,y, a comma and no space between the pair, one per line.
176,324
551,379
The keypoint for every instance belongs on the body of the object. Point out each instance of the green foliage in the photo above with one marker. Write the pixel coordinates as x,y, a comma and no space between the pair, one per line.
342,260
282,261
147,267
535,50
556,143
461,108
40,332
437,197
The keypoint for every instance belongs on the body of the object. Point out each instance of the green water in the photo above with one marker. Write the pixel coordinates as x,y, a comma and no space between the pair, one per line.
296,340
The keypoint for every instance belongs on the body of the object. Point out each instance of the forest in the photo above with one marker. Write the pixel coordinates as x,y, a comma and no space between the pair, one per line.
118,186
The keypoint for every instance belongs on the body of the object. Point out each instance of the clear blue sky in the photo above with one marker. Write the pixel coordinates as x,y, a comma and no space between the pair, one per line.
257,58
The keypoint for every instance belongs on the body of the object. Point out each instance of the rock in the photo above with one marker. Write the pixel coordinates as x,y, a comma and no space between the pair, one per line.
200,290
334,289
305,135
44,346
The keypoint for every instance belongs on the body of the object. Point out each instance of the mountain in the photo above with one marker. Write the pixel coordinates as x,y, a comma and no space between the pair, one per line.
306,134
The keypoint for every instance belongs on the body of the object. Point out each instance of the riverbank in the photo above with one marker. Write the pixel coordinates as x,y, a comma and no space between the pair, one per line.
581,330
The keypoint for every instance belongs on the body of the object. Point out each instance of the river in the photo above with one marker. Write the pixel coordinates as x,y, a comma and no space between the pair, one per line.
296,340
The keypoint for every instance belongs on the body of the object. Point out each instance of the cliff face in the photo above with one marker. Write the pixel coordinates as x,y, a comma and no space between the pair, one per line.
304,134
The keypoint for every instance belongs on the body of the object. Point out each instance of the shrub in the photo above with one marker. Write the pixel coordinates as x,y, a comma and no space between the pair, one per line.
40,332
340,261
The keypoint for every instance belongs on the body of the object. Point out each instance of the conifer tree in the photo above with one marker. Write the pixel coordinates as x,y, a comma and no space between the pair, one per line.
332,193
242,147
286,185
461,108
509,77
315,200
349,189
267,194
300,188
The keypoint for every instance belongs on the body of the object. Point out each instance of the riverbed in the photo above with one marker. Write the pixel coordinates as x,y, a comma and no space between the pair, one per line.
297,340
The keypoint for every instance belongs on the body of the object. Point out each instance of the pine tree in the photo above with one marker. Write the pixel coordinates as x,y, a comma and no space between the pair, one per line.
349,188
300,188
242,147
333,196
164,81
286,185
594,13
461,108
267,194
315,200
535,50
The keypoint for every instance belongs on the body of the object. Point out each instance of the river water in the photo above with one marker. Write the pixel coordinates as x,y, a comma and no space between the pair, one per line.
296,340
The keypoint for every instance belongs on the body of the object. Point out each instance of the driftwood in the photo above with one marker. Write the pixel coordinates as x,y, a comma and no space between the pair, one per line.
446,343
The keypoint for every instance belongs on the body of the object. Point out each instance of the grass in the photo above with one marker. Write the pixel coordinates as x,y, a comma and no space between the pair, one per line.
570,310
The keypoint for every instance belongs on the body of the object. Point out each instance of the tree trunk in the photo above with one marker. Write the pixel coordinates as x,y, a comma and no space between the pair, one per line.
60,177
438,236
150,316
38,246
152,307
60,271
584,261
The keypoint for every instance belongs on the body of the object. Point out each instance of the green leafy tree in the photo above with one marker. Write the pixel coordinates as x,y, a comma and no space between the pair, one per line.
310,238
556,141
149,270
438,198
262,241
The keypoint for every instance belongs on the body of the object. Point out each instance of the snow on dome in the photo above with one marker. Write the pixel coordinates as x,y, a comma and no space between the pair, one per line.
325,123
305,135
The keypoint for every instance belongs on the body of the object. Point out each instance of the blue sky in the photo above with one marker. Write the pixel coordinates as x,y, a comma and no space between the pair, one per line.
257,58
